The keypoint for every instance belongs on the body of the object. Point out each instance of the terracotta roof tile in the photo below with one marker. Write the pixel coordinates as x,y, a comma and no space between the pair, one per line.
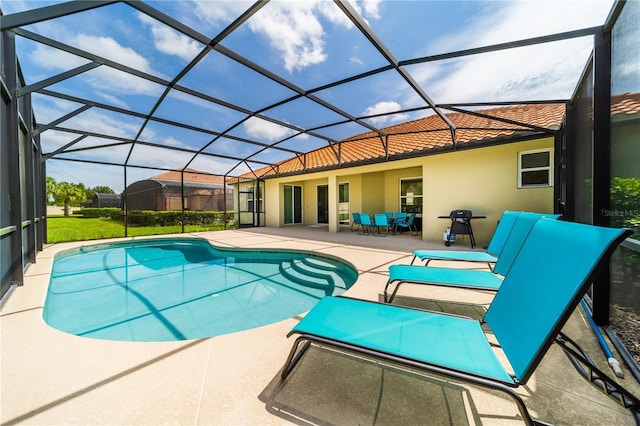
625,103
427,134
190,175
419,137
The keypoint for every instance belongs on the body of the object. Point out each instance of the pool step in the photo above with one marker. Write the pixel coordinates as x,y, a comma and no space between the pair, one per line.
335,271
307,275
318,264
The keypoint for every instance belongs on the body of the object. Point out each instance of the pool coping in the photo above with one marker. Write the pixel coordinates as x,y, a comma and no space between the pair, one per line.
50,377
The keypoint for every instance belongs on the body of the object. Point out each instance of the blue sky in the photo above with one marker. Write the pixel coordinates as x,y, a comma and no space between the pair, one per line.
309,43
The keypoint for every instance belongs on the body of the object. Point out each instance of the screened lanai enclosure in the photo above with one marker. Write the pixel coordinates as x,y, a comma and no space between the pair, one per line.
116,92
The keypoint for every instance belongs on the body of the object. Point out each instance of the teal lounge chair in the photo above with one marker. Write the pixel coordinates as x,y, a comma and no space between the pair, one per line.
468,278
490,256
556,265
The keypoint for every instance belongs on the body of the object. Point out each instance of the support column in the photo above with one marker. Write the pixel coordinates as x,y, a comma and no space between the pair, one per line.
601,167
334,222
10,159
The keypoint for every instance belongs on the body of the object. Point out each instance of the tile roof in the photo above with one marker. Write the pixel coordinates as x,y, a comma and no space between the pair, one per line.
190,175
625,104
427,135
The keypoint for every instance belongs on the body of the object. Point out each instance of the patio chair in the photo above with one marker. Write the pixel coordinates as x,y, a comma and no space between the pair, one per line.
556,265
381,223
467,278
365,224
356,221
407,224
400,216
490,256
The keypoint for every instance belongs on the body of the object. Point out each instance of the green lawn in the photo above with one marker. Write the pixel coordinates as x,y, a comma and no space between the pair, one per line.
76,228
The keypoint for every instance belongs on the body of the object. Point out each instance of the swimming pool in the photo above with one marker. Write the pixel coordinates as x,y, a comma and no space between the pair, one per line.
183,288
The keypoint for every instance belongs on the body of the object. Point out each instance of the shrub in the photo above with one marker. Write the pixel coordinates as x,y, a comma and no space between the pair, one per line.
99,212
176,217
625,203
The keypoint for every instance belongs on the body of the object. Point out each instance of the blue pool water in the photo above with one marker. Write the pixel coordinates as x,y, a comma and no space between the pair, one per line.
177,289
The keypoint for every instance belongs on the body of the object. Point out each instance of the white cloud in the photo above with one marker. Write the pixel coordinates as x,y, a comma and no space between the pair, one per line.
89,174
536,72
169,41
329,10
293,30
48,109
171,141
97,122
383,108
371,8
109,48
219,165
263,129
144,155
103,77
52,140
215,12
113,100
53,59
547,71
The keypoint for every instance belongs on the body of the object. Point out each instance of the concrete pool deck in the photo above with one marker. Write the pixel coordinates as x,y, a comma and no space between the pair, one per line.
52,378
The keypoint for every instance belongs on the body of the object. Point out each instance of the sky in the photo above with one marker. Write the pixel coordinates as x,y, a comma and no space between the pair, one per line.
307,43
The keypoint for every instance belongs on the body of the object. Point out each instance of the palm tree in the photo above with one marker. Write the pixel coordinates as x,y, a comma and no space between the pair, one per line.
50,187
69,193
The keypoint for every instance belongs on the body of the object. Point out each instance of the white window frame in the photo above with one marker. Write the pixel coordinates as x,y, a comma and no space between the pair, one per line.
548,168
346,222
421,196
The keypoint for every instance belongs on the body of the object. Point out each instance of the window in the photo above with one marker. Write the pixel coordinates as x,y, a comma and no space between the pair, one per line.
534,168
343,204
411,195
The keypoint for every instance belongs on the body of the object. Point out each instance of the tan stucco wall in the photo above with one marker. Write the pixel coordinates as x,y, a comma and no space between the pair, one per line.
309,196
483,180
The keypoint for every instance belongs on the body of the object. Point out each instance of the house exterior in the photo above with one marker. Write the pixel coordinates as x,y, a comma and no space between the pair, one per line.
166,191
502,159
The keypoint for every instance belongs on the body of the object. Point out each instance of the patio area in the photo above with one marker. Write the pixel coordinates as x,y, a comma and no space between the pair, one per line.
49,377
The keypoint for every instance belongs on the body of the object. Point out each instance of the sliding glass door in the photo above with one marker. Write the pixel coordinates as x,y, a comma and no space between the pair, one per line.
292,204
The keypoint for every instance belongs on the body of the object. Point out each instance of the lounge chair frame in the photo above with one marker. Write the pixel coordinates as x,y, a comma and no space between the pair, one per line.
304,341
587,369
467,278
505,316
490,256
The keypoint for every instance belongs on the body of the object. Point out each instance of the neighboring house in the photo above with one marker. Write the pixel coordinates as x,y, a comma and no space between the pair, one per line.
106,200
502,158
201,192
